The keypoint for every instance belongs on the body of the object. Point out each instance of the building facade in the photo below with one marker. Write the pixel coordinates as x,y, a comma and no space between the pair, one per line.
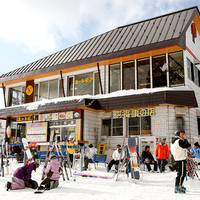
140,79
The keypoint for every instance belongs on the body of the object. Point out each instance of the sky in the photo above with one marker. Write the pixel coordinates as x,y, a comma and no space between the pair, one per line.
33,29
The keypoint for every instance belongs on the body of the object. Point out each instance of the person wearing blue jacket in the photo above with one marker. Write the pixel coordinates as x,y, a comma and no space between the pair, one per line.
196,150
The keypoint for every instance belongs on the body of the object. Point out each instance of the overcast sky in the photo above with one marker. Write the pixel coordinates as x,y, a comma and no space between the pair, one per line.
33,29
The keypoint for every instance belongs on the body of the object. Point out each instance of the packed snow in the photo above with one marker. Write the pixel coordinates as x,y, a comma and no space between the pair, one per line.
150,186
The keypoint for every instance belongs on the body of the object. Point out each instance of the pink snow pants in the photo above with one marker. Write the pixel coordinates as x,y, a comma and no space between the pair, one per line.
18,184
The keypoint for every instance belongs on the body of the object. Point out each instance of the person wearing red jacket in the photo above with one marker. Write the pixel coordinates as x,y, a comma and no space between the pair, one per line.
162,153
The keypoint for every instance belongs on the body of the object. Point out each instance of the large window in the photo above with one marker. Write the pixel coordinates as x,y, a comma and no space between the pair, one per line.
115,77
112,127
43,92
159,66
128,76
84,84
51,89
139,125
117,128
176,68
17,95
143,69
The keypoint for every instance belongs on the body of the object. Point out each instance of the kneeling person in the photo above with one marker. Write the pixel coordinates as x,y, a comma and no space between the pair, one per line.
53,174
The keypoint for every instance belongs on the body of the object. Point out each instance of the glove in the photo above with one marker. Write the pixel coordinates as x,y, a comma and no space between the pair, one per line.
25,178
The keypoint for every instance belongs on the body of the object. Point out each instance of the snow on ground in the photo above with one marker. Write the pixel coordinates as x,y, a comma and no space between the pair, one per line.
151,186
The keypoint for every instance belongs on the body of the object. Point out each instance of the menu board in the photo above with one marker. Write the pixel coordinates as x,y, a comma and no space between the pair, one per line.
36,132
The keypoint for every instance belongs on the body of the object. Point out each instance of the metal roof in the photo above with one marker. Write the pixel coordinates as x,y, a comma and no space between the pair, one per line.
159,32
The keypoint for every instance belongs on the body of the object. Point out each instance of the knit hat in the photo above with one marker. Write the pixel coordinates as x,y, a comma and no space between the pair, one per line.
118,145
53,156
182,130
163,138
91,145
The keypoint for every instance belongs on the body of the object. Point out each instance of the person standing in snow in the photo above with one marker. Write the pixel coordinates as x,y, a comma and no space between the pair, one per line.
179,151
115,158
89,156
22,177
52,173
162,153
148,159
71,150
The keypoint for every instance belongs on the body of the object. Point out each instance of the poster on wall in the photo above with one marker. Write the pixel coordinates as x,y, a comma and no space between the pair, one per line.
151,141
36,132
158,125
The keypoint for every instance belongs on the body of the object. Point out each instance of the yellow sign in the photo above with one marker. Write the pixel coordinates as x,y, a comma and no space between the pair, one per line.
87,80
26,118
29,90
136,113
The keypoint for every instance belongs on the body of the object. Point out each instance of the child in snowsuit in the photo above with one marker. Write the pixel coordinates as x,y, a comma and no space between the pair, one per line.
53,174
22,177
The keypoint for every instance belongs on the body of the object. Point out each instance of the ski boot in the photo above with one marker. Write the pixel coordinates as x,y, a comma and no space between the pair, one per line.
178,190
8,185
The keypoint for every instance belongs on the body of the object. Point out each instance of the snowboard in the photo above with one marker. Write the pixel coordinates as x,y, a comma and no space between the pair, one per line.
133,158
27,149
39,190
46,161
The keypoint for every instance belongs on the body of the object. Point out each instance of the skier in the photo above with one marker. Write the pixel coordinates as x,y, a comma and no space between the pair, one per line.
89,156
162,153
53,174
22,177
148,159
179,151
115,158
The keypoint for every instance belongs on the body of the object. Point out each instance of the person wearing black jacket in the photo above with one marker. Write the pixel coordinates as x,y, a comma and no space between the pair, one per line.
179,151
148,159
17,152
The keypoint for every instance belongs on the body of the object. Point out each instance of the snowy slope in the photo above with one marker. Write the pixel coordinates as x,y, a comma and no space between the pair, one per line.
150,186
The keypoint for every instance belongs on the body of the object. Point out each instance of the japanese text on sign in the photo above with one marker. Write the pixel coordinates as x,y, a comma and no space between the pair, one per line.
136,113
87,80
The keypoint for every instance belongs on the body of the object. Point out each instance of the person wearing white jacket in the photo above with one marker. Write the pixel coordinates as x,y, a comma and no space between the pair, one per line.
115,157
89,156
179,151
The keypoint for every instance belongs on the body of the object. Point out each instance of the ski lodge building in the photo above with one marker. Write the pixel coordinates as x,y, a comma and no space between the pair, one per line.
140,79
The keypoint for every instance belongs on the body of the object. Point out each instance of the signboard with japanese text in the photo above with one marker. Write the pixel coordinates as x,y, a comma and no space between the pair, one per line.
158,125
36,132
135,113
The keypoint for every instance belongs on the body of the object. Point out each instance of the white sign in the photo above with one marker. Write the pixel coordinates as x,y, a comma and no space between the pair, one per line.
158,125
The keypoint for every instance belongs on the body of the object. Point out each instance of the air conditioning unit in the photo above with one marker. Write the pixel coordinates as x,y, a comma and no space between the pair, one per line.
180,111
